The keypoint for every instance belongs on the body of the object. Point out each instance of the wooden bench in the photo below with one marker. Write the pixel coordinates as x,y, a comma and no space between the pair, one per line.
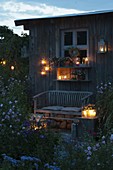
58,98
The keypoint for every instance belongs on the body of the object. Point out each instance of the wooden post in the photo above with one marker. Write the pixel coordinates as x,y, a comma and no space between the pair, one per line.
35,105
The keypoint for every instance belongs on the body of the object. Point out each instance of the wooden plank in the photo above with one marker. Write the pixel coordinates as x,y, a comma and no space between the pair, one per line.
60,118
58,112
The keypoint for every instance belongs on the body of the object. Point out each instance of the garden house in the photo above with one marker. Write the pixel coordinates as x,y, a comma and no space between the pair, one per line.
71,52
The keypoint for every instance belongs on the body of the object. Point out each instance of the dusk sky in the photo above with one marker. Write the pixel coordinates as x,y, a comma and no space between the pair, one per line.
11,10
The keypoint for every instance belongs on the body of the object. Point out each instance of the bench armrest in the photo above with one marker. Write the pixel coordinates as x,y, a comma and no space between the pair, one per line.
40,94
85,100
40,100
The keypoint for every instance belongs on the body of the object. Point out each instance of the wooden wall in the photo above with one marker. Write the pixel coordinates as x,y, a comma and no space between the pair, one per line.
45,42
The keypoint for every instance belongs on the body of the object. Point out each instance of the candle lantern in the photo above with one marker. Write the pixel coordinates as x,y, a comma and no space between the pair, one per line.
102,47
89,111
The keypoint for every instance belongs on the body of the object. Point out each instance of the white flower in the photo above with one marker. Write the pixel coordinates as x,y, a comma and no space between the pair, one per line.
1,105
85,151
10,126
89,148
7,117
103,142
88,157
10,110
16,101
94,148
97,145
10,102
111,137
3,113
103,137
89,153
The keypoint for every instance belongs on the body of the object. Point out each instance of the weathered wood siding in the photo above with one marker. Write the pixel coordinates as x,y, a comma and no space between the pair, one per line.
45,42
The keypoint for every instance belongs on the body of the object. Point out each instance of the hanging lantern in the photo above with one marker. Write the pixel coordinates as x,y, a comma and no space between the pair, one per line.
102,47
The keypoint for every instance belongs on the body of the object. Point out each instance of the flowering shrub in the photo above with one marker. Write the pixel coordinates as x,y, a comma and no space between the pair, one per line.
88,155
17,138
26,162
104,105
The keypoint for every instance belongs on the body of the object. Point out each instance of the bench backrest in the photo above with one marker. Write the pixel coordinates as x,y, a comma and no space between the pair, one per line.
66,98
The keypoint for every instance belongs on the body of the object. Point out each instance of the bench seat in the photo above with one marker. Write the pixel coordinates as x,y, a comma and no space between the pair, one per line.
60,112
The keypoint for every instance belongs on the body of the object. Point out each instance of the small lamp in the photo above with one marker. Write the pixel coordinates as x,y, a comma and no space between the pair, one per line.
102,47
89,111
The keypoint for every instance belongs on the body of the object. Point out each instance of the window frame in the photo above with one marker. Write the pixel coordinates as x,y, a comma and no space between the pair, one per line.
74,40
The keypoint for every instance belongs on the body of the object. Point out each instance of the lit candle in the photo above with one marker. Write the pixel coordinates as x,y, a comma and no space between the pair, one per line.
47,68
86,60
65,77
92,113
77,62
84,113
101,49
59,77
43,61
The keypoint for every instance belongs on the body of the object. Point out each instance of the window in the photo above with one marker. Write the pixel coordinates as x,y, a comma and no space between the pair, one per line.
68,38
81,38
74,38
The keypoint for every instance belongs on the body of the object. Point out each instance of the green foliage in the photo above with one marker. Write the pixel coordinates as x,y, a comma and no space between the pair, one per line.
104,106
11,44
17,138
95,155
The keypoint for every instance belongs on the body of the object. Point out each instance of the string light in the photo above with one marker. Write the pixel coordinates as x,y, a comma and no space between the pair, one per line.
43,72
4,62
12,67
43,61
